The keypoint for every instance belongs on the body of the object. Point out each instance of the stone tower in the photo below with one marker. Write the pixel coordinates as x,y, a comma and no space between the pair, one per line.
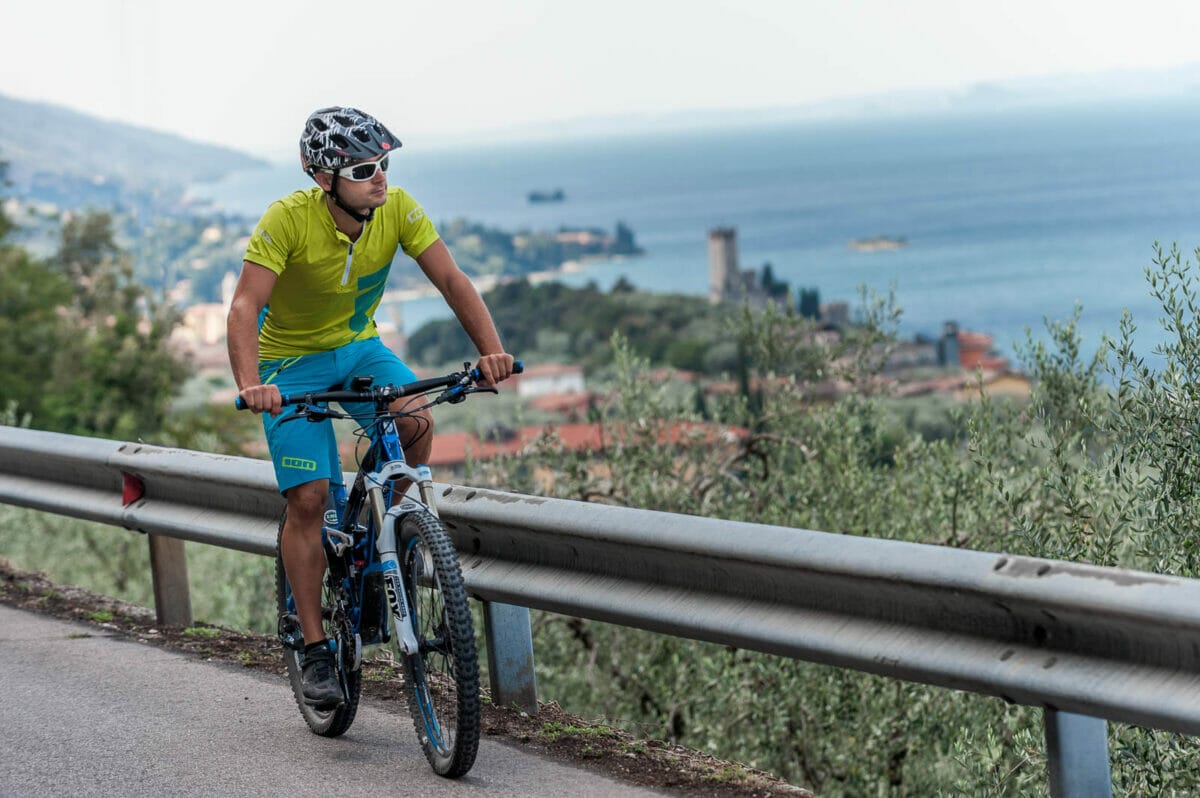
722,263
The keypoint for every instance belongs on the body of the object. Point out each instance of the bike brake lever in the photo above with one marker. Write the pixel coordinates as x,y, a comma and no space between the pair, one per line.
312,414
461,394
301,412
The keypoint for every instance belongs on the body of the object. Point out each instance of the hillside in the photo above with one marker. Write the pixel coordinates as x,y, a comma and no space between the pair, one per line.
62,156
551,321
60,161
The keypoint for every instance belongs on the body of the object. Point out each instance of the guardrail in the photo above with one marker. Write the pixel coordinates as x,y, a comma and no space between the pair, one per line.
1083,642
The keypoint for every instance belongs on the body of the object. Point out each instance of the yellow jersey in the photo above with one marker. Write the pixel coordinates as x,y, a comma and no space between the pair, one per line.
329,286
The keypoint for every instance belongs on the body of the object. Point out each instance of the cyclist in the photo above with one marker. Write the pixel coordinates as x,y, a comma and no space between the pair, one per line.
302,318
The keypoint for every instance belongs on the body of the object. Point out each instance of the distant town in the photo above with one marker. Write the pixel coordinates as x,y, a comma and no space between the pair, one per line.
951,365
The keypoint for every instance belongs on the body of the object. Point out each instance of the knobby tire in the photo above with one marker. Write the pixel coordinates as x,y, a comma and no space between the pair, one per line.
443,679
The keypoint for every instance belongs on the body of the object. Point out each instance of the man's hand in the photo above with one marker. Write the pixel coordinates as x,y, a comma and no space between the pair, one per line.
495,368
263,399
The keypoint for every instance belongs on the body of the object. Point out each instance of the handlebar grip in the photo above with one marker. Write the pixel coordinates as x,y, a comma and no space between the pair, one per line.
476,375
239,404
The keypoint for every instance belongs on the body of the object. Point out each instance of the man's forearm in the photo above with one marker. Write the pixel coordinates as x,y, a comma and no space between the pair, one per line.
242,338
473,315
460,294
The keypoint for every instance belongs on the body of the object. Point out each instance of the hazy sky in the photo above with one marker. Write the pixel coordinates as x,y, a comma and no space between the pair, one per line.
247,73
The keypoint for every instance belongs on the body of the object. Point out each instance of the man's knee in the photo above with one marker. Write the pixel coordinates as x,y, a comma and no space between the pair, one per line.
307,501
415,426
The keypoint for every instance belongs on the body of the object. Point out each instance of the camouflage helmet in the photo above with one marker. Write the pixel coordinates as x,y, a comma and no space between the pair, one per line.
339,135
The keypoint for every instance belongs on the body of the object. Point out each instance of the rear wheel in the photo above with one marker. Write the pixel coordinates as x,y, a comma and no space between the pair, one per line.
331,722
443,679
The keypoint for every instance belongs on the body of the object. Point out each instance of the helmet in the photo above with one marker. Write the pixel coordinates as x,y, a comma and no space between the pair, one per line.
336,136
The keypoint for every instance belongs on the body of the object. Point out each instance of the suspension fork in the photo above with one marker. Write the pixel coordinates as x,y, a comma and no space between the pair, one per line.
386,520
394,584
425,489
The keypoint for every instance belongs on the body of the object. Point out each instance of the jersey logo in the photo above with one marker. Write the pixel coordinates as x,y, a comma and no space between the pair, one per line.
299,463
415,214
265,236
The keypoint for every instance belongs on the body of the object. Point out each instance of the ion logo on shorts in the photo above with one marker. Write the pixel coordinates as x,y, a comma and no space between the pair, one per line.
299,463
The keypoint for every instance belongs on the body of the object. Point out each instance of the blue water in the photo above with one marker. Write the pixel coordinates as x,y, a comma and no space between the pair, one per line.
1010,217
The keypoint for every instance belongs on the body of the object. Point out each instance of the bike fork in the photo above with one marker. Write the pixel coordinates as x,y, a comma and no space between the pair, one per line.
393,583
387,522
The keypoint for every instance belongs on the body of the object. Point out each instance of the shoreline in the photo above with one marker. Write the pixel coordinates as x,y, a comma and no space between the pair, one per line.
487,282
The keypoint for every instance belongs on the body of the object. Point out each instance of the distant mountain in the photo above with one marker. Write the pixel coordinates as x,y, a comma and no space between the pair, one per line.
1108,87
63,156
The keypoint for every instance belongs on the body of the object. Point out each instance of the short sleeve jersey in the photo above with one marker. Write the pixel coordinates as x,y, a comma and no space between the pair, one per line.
329,287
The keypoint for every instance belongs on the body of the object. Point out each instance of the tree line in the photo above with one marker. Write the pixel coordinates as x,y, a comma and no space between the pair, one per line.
554,322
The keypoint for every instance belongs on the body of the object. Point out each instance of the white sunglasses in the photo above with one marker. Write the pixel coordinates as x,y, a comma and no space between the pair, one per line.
363,171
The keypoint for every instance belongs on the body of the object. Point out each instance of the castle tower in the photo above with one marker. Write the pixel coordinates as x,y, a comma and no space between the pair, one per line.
722,263
949,351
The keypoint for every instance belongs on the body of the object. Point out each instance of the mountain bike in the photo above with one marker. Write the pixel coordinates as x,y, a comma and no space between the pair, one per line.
388,556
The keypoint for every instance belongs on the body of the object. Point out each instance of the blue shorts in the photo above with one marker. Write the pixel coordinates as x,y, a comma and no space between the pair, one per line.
304,451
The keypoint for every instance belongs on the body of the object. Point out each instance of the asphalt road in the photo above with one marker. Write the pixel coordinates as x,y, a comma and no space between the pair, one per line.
95,715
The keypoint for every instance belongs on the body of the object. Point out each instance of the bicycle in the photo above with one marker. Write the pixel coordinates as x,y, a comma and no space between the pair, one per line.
388,554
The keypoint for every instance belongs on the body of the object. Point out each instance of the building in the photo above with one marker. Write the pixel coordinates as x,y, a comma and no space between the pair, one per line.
726,282
548,379
968,350
835,314
722,263
948,354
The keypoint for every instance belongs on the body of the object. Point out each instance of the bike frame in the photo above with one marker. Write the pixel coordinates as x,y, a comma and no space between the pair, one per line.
377,540
373,545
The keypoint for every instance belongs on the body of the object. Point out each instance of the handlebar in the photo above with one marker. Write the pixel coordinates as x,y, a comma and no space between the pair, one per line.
384,394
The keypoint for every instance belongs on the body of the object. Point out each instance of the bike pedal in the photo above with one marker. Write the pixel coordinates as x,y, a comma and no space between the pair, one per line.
289,632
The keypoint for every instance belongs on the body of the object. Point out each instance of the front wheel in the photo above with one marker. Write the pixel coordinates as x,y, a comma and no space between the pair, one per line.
443,678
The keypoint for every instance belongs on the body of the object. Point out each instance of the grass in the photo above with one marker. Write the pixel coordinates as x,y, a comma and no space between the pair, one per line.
384,674
553,731
730,774
202,631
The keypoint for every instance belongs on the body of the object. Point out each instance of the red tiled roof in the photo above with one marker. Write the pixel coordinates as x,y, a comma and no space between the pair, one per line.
451,448
561,402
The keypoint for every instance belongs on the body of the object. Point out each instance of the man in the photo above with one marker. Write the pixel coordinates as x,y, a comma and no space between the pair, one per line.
302,318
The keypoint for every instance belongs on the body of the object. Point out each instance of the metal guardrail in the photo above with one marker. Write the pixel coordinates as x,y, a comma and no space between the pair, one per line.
1082,642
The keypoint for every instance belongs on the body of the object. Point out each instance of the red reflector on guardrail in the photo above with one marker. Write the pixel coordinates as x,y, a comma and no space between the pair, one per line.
133,489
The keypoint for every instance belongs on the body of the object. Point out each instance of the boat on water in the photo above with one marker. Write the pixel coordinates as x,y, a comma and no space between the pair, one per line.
556,195
878,244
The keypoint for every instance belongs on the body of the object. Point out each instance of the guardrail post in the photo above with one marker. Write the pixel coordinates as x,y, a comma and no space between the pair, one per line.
1077,755
509,637
168,572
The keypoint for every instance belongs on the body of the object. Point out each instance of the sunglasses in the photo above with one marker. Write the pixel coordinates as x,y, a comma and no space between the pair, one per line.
363,171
